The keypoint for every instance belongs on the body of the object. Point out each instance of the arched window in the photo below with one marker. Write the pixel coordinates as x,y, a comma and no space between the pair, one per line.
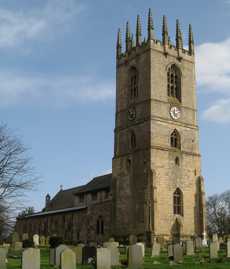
175,140
100,225
133,82
174,82
178,202
133,141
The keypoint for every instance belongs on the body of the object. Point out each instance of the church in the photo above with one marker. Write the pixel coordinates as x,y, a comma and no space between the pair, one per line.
156,189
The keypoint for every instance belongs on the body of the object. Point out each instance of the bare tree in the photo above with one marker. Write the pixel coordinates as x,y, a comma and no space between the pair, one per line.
16,176
218,213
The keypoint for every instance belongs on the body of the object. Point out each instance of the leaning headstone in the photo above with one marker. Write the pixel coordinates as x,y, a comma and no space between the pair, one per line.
3,254
177,253
36,240
58,252
142,246
103,258
68,259
135,256
132,239
78,253
88,255
156,248
189,248
198,243
213,250
31,258
228,248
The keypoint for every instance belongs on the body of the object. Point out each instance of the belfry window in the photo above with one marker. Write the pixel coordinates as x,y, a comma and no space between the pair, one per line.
133,82
174,82
175,140
178,202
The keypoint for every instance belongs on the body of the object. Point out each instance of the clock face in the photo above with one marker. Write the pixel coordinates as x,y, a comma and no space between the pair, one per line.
131,113
175,112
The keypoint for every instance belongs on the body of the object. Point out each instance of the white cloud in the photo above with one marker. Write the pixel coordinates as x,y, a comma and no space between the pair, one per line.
213,75
55,90
218,112
213,66
20,26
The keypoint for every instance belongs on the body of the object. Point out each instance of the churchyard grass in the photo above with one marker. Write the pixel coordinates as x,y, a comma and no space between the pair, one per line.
199,261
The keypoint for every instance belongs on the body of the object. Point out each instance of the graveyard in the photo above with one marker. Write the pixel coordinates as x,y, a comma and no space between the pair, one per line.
112,255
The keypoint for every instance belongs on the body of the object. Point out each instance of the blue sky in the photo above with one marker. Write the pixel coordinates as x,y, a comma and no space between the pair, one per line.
57,82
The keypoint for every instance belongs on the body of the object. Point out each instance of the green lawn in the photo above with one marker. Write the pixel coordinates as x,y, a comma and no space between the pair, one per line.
200,261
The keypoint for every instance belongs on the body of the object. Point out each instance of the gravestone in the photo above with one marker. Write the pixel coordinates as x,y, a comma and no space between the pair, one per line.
3,254
156,248
184,247
88,255
111,244
58,252
115,254
228,248
103,258
111,239
68,259
93,244
142,246
25,236
132,239
135,256
198,243
52,256
17,246
47,241
31,258
215,237
216,240
177,253
189,248
170,251
213,250
36,240
42,241
15,237
78,252
6,245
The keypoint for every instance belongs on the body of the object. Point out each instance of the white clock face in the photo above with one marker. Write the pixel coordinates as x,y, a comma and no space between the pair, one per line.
175,112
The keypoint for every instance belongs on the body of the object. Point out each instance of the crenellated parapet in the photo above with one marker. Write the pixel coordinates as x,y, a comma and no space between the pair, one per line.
151,42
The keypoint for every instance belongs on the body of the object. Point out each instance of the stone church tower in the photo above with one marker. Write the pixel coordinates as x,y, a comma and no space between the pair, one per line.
158,190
